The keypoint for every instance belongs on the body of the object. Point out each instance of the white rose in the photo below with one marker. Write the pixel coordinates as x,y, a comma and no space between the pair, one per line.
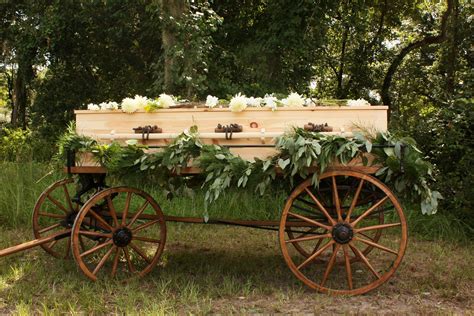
270,102
93,107
140,102
211,101
254,102
129,105
166,101
238,103
309,102
358,102
113,105
294,100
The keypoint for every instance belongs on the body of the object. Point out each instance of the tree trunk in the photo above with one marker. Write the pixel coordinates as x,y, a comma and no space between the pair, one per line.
429,40
171,9
24,75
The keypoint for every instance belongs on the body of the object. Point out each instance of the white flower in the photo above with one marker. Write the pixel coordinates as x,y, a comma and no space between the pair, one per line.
166,101
270,101
108,106
211,101
254,102
294,100
113,105
309,102
238,103
93,107
358,102
140,102
131,142
129,105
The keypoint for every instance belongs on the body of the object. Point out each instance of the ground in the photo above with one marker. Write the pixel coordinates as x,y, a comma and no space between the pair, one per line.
220,269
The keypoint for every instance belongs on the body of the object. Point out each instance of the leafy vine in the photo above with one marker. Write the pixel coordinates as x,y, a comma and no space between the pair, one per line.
300,154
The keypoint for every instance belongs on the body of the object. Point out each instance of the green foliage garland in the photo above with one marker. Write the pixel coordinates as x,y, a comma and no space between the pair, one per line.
299,153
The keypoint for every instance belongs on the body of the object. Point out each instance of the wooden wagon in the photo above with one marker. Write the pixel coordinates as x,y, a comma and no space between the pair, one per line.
347,235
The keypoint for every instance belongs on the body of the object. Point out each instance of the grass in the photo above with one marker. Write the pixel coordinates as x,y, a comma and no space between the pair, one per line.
217,269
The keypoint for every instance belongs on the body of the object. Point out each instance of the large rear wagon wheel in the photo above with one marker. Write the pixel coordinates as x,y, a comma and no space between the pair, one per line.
119,232
349,253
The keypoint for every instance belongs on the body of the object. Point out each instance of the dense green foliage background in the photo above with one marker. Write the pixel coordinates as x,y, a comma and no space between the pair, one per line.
415,56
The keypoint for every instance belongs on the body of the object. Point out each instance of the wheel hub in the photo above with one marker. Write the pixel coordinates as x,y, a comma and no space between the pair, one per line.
122,237
342,233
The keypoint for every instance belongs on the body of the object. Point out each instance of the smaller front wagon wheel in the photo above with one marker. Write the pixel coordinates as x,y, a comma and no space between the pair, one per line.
120,232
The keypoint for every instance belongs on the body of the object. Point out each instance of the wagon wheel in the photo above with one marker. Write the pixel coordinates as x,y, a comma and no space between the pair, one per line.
324,191
340,237
122,229
54,212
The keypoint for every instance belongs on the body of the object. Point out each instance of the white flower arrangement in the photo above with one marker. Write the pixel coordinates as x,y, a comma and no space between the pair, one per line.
93,107
129,105
238,103
293,100
358,102
254,102
166,101
212,101
109,105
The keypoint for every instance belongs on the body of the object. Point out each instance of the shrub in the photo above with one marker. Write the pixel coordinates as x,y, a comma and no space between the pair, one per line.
446,136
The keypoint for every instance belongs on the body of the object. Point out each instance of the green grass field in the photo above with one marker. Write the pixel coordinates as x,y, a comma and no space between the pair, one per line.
219,269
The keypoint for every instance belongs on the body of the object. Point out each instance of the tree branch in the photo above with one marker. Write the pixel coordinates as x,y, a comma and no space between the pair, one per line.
428,40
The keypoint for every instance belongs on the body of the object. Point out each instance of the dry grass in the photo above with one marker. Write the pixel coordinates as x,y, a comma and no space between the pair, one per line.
220,269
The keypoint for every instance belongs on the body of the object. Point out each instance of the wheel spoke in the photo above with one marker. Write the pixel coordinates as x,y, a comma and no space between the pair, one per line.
138,213
152,240
364,259
101,220
129,261
317,246
330,265
103,260
56,202
145,225
381,226
95,234
315,255
116,261
367,236
112,212
94,249
347,261
354,200
140,252
308,220
47,229
68,198
320,206
127,206
373,207
68,248
335,196
376,245
53,243
306,238
51,215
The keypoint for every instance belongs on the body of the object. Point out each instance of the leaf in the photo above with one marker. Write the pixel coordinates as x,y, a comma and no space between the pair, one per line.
368,146
220,156
283,163
389,151
381,171
398,149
